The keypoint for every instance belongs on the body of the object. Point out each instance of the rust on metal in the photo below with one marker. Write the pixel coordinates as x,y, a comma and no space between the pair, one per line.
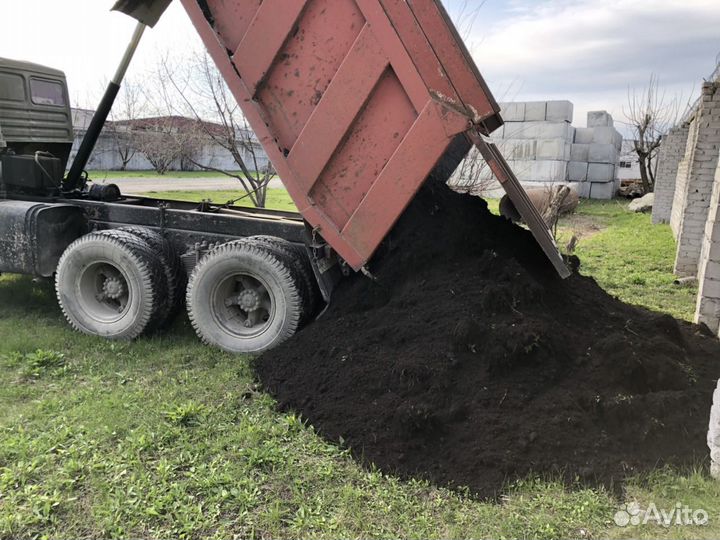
355,102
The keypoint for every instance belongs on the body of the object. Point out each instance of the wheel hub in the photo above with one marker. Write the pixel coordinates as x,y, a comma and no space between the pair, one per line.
247,304
249,300
113,288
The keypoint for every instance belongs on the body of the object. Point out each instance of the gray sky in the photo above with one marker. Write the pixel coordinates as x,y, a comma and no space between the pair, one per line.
587,51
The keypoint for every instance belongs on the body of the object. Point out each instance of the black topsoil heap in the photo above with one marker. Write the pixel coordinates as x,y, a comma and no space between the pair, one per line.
469,364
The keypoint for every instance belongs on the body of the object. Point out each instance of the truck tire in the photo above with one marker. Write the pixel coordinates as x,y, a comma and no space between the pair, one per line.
172,268
242,297
110,285
160,281
300,265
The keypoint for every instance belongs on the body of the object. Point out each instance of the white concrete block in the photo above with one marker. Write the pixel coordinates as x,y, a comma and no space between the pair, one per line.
555,130
601,172
581,188
520,130
539,171
599,119
580,152
559,111
603,153
578,171
548,171
535,111
513,111
553,149
522,169
602,190
584,135
607,135
494,192
519,149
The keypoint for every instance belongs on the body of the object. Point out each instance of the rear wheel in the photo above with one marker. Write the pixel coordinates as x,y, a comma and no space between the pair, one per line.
297,260
172,268
243,298
110,286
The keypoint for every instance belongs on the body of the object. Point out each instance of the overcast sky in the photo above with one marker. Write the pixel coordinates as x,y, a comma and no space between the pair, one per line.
587,51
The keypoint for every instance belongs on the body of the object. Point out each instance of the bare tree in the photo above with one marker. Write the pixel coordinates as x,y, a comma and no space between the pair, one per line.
473,175
195,88
127,110
650,114
157,139
465,17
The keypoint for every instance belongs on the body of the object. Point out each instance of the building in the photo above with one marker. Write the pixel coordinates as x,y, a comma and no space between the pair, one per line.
180,143
629,164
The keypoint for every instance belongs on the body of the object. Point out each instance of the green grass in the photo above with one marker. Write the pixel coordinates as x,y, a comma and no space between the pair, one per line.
277,199
166,438
630,257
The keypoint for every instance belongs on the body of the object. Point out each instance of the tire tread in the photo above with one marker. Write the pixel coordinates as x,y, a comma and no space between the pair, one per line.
273,262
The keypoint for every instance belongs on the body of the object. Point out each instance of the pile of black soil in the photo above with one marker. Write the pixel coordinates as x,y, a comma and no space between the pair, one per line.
469,364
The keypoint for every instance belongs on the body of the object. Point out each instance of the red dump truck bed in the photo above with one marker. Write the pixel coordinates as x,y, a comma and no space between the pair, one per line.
355,102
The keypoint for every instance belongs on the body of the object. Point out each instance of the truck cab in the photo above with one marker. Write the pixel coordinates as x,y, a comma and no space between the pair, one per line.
36,132
122,263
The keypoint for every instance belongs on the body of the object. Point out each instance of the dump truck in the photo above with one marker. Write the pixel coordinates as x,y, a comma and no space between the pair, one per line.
356,102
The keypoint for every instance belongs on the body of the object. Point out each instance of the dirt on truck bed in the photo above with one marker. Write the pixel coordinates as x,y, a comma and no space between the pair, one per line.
469,364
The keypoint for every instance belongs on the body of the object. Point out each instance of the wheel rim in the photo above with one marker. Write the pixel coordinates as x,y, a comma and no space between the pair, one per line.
103,291
243,305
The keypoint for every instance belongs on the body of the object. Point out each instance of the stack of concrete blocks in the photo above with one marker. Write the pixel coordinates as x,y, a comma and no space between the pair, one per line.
672,151
544,149
594,156
536,140
695,181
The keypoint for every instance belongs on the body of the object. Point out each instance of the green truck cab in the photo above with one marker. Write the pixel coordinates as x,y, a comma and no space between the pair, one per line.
36,132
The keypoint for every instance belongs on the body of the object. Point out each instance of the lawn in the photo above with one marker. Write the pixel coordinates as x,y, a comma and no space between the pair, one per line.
629,257
166,438
152,175
277,199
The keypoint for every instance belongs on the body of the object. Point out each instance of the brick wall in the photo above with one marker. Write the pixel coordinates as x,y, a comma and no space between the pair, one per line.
708,305
700,181
671,152
681,181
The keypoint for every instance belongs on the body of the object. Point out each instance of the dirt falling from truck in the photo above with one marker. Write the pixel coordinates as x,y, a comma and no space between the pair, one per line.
469,364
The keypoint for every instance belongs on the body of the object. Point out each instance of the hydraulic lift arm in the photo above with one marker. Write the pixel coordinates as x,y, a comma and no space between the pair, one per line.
147,13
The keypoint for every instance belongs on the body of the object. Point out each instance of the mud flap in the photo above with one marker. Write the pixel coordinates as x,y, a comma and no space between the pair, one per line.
500,168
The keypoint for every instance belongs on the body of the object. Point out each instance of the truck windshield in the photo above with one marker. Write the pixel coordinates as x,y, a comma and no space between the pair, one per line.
45,92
